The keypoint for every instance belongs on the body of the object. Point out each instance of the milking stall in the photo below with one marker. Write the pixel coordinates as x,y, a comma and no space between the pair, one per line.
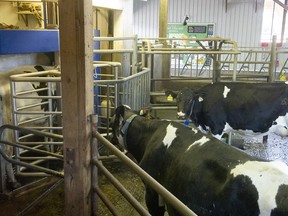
90,107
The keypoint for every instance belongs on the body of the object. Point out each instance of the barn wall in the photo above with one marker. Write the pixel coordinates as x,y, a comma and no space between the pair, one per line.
146,18
242,21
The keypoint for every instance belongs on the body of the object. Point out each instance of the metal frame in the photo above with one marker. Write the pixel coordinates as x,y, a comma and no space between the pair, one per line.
48,155
133,91
214,50
50,77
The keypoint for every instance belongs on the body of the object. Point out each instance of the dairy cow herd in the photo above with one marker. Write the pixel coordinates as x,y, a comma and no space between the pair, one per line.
208,176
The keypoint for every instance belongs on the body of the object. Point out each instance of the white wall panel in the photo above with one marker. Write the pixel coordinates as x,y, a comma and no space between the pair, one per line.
146,18
240,22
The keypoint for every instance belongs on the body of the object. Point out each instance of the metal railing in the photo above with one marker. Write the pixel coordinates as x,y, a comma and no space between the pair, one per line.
132,51
222,57
36,108
40,170
207,54
133,91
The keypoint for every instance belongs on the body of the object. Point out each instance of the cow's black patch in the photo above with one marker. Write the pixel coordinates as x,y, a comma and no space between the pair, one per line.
281,201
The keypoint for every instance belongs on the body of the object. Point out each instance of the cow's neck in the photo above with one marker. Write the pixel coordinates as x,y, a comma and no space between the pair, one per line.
137,136
125,128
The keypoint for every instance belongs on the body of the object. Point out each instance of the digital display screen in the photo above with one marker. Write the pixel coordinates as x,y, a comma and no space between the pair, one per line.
197,29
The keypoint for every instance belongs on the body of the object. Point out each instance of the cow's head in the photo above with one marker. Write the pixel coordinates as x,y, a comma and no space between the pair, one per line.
184,99
120,122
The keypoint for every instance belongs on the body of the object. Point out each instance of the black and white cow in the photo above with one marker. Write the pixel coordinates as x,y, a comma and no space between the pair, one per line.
6,107
207,175
248,108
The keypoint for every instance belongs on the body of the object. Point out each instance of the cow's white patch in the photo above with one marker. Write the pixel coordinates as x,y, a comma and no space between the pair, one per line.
286,82
226,91
200,99
194,130
228,129
170,135
281,126
267,177
199,142
202,129
181,114
127,106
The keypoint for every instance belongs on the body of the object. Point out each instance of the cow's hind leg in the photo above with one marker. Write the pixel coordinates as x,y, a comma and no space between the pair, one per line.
153,203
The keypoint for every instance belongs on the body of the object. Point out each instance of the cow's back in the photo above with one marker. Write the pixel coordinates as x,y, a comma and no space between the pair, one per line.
242,106
213,178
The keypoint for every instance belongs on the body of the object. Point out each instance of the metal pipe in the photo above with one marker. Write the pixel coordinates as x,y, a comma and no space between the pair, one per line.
32,149
113,38
139,208
32,174
38,112
42,143
108,63
94,152
106,201
190,52
38,76
168,197
134,55
113,51
32,91
32,105
146,70
38,158
37,97
28,165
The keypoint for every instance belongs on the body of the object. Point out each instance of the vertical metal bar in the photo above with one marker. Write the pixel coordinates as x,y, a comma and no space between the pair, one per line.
134,55
143,60
45,14
116,90
283,22
2,161
50,105
108,109
15,122
94,154
234,67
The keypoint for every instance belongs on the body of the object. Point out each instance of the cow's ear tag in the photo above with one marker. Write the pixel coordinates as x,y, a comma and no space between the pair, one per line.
186,122
170,98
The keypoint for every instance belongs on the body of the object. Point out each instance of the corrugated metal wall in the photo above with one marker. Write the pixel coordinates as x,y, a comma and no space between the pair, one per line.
242,21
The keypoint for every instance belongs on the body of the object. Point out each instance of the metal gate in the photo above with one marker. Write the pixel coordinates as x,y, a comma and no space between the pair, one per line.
36,105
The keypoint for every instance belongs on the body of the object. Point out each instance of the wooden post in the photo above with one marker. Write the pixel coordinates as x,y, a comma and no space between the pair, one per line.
272,60
76,52
216,65
163,69
163,18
